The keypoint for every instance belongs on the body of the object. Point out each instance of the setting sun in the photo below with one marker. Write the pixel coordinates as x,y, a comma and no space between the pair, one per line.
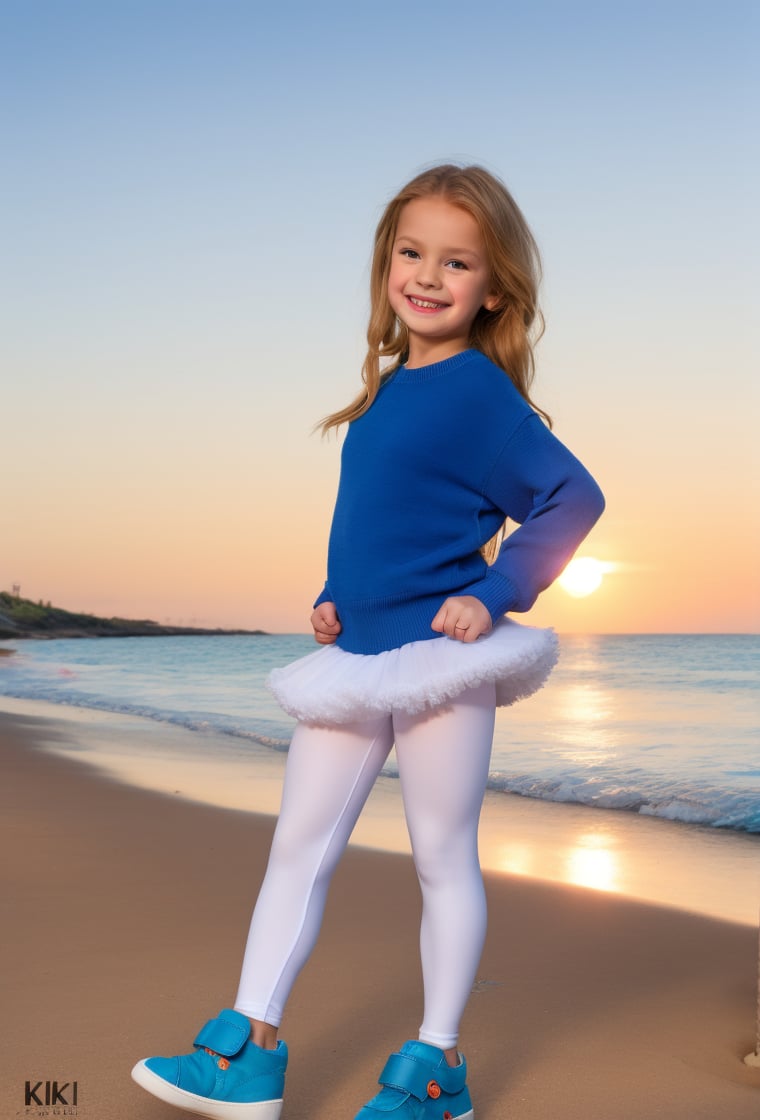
583,576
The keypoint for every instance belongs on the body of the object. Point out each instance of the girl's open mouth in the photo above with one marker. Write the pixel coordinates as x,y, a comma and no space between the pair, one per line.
425,304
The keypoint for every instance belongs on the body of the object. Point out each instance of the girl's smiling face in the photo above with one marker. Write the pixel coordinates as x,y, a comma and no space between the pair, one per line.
439,278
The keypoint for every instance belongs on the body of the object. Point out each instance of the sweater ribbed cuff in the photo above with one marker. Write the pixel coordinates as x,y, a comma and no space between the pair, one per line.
324,597
497,593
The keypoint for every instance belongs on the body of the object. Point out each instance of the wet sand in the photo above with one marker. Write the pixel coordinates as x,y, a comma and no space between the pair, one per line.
125,915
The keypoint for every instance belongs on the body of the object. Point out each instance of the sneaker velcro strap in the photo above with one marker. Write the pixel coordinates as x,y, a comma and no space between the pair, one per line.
411,1075
226,1035
407,1074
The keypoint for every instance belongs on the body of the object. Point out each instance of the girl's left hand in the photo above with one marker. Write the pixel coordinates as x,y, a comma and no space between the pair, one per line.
462,617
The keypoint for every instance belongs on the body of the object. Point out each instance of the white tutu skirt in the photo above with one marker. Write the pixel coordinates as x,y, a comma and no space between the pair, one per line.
332,686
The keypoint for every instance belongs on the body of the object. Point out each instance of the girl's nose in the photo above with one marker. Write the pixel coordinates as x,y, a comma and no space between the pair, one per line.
427,274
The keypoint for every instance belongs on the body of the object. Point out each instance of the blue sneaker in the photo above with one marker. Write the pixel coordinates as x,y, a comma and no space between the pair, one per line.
419,1084
226,1077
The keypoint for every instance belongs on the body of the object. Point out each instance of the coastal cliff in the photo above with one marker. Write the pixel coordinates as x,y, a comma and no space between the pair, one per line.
22,618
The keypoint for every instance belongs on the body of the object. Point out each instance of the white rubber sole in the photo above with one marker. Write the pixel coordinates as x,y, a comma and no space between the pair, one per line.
203,1106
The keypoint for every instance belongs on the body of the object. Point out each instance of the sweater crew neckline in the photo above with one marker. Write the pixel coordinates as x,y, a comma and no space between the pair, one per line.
405,376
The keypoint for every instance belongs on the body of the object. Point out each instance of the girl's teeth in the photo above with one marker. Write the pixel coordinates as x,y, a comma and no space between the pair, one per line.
424,303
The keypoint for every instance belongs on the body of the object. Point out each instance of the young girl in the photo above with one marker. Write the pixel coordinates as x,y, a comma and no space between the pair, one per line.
443,445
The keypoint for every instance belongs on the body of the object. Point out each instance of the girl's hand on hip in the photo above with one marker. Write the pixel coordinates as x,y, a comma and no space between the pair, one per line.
325,623
462,617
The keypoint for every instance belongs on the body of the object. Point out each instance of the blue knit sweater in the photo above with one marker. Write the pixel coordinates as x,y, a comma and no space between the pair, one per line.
428,474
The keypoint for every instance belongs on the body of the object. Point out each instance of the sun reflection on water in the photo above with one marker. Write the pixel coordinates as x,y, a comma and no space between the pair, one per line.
586,703
589,861
585,724
517,859
592,863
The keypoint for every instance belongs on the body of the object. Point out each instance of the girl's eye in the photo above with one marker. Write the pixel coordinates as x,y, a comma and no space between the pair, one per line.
412,254
456,264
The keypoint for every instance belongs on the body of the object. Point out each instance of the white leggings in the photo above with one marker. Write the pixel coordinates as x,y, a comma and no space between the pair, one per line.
443,761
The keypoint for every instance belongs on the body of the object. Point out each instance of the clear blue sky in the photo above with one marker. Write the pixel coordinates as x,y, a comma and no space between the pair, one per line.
190,194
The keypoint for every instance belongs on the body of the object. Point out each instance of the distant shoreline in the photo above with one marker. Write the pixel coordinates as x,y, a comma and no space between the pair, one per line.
129,630
22,618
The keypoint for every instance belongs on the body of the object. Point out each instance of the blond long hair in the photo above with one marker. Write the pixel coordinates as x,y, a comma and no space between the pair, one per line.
508,333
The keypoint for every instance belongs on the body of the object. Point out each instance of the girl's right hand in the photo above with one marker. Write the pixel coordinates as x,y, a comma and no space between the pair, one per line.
325,622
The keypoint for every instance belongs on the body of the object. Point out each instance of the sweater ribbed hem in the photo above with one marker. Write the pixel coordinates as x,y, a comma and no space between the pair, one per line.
377,625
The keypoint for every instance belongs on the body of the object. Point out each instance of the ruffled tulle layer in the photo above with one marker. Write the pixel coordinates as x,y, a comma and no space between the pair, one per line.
332,686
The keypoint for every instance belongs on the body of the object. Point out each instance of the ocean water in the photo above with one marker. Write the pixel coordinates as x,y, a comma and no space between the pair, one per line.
667,726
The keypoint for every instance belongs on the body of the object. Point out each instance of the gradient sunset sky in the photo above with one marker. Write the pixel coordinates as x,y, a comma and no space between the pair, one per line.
191,190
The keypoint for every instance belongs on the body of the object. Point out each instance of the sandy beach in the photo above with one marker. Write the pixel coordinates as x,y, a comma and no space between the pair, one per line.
125,918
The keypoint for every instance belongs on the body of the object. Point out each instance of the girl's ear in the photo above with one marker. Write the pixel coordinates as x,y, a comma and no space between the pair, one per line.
491,302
